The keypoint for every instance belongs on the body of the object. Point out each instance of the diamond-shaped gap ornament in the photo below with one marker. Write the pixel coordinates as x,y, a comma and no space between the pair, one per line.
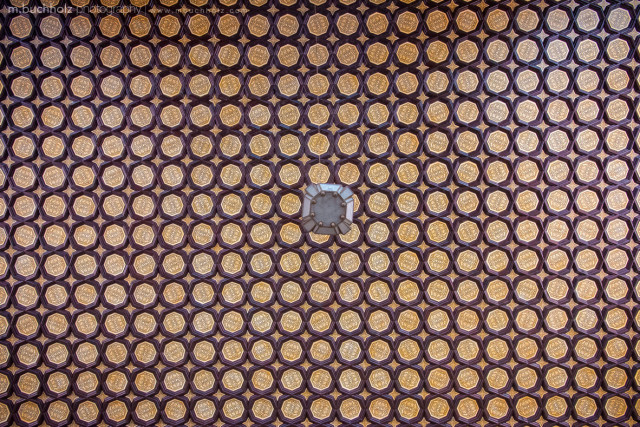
327,209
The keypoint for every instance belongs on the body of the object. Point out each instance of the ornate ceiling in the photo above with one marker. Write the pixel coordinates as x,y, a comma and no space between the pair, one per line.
153,162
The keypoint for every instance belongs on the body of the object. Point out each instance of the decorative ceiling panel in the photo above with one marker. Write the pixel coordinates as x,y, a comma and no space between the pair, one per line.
154,267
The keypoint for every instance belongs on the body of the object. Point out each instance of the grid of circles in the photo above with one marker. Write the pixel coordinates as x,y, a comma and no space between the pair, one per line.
152,265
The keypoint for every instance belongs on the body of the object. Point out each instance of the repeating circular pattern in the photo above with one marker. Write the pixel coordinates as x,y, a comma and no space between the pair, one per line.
153,161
